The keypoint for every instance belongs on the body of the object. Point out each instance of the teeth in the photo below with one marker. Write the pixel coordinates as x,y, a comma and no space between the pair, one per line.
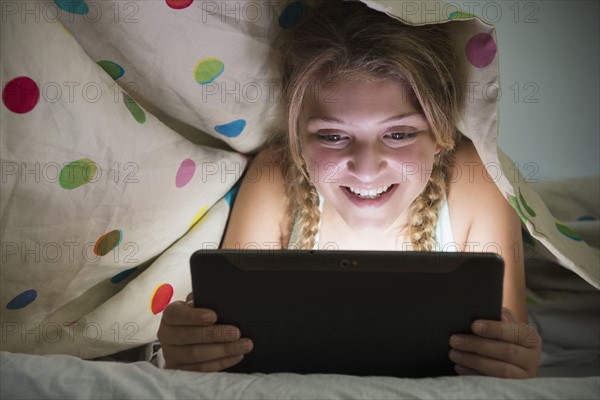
370,193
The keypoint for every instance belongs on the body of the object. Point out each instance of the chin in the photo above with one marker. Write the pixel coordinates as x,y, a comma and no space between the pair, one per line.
369,226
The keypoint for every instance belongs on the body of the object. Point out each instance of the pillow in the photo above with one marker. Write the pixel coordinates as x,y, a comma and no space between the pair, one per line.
203,63
101,203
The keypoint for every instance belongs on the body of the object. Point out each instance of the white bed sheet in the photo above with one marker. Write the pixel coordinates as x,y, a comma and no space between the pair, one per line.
65,377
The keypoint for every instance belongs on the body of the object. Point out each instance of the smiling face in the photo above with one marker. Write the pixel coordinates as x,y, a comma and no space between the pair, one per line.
369,151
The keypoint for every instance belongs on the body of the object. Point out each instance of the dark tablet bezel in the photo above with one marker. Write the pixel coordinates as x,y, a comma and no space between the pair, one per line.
348,312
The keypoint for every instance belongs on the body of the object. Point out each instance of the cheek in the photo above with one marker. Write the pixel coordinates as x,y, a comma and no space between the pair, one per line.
323,166
414,166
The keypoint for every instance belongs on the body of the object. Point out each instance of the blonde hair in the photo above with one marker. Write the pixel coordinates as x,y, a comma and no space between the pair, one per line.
348,40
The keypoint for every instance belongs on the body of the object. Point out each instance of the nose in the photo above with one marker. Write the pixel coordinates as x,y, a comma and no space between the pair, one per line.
366,161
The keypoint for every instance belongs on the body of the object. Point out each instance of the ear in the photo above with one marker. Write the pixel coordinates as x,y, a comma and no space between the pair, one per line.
438,148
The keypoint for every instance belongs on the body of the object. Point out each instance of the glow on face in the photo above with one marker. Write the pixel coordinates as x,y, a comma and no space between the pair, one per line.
369,150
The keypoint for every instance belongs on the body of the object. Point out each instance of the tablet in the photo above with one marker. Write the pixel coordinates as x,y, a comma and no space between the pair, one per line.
348,312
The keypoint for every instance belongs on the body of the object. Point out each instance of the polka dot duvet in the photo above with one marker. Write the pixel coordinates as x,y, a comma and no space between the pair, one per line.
103,202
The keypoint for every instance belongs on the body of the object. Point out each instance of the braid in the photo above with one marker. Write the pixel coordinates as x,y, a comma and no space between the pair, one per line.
307,213
423,212
303,198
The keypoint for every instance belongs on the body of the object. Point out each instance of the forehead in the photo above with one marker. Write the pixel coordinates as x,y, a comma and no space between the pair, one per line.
358,97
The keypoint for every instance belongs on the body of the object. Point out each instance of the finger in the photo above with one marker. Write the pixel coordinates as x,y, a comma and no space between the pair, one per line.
178,356
508,315
213,366
513,332
186,335
487,366
499,350
178,313
461,370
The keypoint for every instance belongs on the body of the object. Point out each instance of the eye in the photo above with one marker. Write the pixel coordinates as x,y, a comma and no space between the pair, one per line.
332,138
400,136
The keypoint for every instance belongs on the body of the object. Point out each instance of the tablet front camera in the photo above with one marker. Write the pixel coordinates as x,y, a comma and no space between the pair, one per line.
345,263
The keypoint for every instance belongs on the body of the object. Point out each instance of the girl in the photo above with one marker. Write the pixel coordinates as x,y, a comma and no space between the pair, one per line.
371,160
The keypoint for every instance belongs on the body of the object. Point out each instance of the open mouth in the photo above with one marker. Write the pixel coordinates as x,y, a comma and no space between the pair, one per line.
369,194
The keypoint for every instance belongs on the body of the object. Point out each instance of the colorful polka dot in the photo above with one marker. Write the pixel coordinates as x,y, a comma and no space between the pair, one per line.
568,232
161,297
68,32
112,68
22,300
108,242
231,129
121,276
481,50
292,14
78,7
77,173
179,4
207,70
529,210
199,216
230,196
185,173
20,95
513,202
460,15
136,111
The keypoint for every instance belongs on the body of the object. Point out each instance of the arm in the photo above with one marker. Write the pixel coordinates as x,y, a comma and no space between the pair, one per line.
508,348
259,215
492,224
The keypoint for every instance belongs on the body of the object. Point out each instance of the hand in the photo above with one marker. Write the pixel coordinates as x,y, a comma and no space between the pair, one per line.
506,349
191,341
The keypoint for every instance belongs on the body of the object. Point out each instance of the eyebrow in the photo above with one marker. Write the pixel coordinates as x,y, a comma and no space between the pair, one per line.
392,119
403,116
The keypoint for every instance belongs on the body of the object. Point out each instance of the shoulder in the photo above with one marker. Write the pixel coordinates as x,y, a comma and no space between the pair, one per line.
259,214
469,176
475,201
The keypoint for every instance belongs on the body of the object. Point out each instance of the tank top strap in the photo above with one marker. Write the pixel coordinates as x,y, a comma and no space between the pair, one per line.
444,240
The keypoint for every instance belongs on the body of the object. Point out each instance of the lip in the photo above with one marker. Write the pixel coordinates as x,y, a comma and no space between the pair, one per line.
377,202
